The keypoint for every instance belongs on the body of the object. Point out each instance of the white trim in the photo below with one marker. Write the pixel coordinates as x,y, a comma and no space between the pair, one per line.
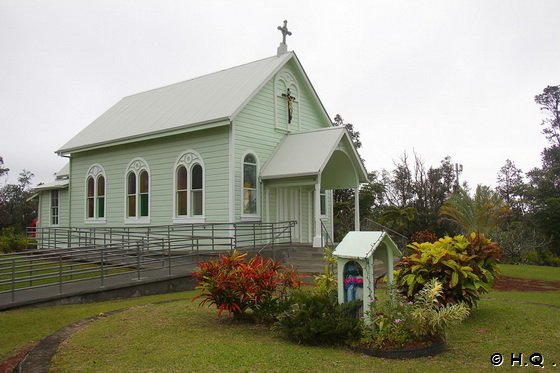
317,213
97,221
290,82
39,222
57,208
136,166
94,171
258,185
231,172
191,219
331,209
189,159
309,237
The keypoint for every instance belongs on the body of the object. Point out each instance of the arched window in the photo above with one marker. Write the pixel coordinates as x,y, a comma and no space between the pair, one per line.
137,191
196,190
182,186
95,194
131,195
250,185
189,187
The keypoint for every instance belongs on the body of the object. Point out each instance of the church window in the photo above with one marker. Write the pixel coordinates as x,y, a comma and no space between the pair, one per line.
131,199
182,182
137,192
323,202
250,185
95,194
189,187
54,207
196,190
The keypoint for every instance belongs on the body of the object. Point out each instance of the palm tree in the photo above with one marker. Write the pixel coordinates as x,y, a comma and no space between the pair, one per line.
480,214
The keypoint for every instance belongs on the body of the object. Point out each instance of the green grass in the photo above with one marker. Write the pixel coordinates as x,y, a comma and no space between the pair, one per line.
531,272
180,336
23,326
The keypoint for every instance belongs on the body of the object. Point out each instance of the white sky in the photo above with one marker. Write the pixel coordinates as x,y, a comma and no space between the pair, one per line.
436,77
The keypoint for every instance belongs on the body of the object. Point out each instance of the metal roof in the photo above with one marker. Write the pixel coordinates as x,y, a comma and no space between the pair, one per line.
209,98
57,184
306,154
360,245
64,172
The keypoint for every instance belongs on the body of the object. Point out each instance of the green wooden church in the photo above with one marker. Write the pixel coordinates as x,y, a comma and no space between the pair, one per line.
252,143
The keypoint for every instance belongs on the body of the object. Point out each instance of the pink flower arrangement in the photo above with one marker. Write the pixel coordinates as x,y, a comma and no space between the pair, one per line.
356,281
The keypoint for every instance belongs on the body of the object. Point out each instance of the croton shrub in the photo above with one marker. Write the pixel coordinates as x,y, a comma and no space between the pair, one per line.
236,285
465,266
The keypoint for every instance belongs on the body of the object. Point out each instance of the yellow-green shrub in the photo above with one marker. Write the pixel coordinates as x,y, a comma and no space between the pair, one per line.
465,266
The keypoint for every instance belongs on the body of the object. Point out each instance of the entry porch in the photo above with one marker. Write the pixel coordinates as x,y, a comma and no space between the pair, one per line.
299,179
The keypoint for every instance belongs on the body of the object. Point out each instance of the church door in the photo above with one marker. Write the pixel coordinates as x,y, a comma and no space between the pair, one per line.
289,208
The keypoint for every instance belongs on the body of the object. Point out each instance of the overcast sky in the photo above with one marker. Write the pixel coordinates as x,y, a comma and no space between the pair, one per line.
437,78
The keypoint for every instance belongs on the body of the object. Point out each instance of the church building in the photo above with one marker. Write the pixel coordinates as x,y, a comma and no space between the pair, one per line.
252,143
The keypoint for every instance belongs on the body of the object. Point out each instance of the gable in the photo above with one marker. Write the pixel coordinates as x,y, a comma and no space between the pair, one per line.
318,152
210,99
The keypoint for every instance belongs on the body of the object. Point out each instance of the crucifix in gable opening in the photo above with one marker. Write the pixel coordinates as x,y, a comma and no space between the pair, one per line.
290,100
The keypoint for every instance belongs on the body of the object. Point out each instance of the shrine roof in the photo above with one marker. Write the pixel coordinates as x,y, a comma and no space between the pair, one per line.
361,245
207,99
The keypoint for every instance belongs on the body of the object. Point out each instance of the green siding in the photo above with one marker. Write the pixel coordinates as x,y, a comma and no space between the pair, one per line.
255,130
161,156
44,209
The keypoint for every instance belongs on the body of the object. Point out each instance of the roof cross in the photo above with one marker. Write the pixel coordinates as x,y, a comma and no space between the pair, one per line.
285,31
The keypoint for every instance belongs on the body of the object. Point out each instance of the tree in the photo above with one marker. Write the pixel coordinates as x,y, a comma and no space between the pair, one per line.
479,214
511,187
3,170
354,135
415,194
15,208
549,101
544,195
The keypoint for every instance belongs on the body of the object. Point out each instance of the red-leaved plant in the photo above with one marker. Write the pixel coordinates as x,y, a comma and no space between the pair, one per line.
235,285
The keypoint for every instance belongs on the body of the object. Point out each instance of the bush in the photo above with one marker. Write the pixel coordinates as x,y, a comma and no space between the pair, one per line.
390,323
465,266
235,286
11,240
327,282
424,236
398,322
317,318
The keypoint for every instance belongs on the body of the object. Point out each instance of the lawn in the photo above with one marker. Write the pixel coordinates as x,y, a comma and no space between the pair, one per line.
180,336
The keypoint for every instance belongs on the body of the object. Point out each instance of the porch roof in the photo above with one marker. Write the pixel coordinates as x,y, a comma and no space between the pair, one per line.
57,184
311,153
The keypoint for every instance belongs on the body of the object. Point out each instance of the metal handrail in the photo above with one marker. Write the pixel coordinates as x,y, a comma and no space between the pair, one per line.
325,234
67,255
280,234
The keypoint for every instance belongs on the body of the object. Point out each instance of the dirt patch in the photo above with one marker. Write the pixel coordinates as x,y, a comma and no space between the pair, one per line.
505,283
10,363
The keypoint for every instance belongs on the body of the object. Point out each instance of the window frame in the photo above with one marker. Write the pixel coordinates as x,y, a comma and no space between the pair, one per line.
323,203
54,218
189,160
98,201
256,214
136,167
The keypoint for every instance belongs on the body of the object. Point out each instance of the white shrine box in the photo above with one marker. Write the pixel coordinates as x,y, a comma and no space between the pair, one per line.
356,255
